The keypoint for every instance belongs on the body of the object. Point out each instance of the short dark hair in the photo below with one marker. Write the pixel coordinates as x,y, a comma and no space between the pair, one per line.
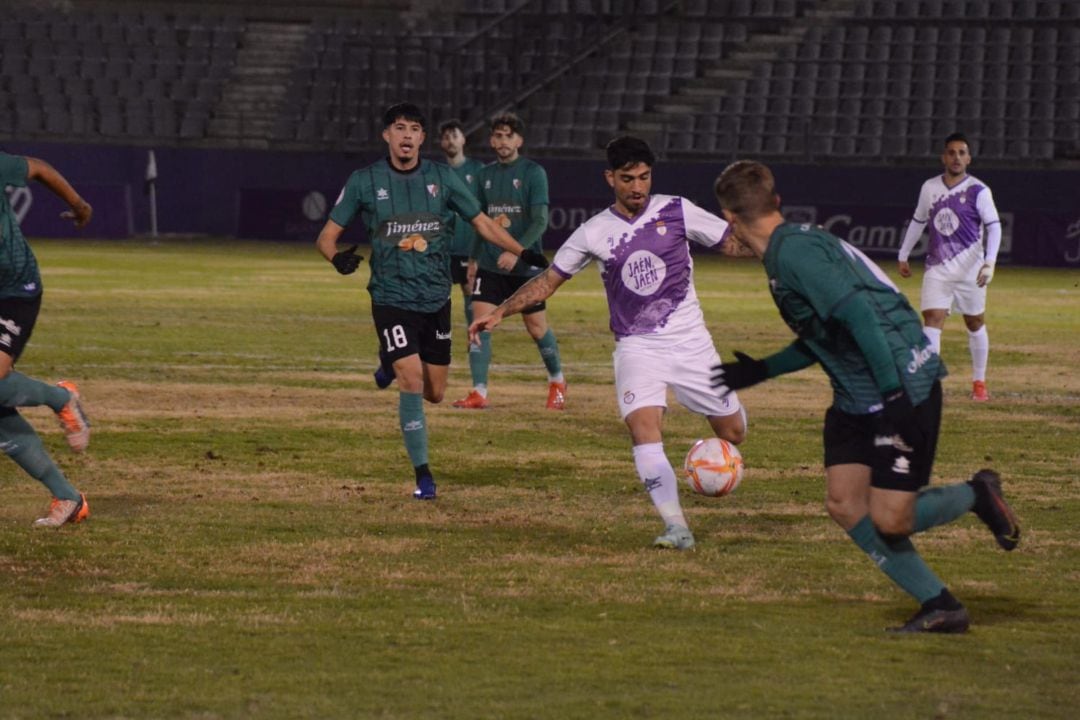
406,111
627,151
510,120
748,189
957,137
451,124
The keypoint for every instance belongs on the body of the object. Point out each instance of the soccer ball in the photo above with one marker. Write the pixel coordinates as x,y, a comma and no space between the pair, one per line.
713,467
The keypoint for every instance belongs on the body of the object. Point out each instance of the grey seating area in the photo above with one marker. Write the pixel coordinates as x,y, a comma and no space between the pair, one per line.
887,80
798,80
111,76
900,76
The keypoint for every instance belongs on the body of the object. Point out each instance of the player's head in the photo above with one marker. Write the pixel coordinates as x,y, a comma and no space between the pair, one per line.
452,137
403,111
956,156
629,173
507,136
403,131
746,191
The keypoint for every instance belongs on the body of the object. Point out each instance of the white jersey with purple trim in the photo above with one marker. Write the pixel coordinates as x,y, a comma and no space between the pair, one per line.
646,267
956,217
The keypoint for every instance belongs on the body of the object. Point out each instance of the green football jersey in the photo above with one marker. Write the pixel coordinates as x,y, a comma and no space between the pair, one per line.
19,275
508,193
811,274
407,217
463,234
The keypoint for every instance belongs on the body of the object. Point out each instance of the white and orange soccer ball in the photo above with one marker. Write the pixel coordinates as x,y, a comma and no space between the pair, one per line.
713,467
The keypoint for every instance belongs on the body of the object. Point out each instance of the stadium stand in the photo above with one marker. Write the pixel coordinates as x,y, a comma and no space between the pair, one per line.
847,80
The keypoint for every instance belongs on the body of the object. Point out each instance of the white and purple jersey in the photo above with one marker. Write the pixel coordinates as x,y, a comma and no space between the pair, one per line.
646,266
956,216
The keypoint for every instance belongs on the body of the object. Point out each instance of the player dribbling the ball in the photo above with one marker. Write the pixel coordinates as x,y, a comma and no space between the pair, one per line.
661,338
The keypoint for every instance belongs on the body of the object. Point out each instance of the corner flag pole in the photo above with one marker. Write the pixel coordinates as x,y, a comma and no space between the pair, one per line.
151,187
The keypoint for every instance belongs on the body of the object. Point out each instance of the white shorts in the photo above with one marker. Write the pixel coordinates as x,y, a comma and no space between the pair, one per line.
948,286
643,376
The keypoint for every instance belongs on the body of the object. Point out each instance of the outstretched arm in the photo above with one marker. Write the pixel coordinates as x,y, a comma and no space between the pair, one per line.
51,178
538,289
495,234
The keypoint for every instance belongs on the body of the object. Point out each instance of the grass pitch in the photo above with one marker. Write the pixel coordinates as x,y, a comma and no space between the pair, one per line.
254,550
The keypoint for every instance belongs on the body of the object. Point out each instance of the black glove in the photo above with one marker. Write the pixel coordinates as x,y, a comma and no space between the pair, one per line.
898,418
346,261
534,258
744,372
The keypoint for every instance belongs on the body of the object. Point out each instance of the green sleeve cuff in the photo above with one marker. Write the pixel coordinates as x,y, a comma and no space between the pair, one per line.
793,358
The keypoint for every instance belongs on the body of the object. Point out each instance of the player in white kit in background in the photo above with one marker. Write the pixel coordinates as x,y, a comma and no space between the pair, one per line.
641,243
958,268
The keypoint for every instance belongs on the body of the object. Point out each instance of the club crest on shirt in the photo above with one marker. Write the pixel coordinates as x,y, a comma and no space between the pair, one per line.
468,178
433,190
517,183
487,184
382,194
661,228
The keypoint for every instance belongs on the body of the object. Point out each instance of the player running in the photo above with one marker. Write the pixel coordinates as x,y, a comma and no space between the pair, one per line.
881,431
406,204
20,302
641,243
958,268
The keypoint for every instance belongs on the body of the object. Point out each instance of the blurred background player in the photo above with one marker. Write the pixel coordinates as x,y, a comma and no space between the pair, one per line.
406,204
661,338
452,142
513,191
882,428
20,302
958,267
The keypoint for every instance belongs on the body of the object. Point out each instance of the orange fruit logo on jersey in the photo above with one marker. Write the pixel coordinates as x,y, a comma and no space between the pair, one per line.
413,242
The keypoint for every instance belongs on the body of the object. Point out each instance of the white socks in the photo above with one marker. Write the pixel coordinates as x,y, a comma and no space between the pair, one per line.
659,480
934,336
979,344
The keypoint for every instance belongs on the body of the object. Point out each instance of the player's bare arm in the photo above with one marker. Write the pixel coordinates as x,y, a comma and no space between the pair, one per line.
48,176
344,261
538,289
496,234
328,239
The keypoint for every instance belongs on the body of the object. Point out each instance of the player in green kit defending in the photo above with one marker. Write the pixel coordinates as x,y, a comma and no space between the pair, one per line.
20,301
406,205
513,191
882,428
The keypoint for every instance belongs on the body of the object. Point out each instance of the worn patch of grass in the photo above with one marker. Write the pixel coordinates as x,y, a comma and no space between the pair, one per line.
254,552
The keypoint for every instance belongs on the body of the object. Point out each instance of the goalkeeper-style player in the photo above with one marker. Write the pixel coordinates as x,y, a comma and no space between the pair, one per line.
882,428
20,302
406,204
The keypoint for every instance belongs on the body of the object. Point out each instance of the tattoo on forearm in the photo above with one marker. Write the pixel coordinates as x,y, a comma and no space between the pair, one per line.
536,290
